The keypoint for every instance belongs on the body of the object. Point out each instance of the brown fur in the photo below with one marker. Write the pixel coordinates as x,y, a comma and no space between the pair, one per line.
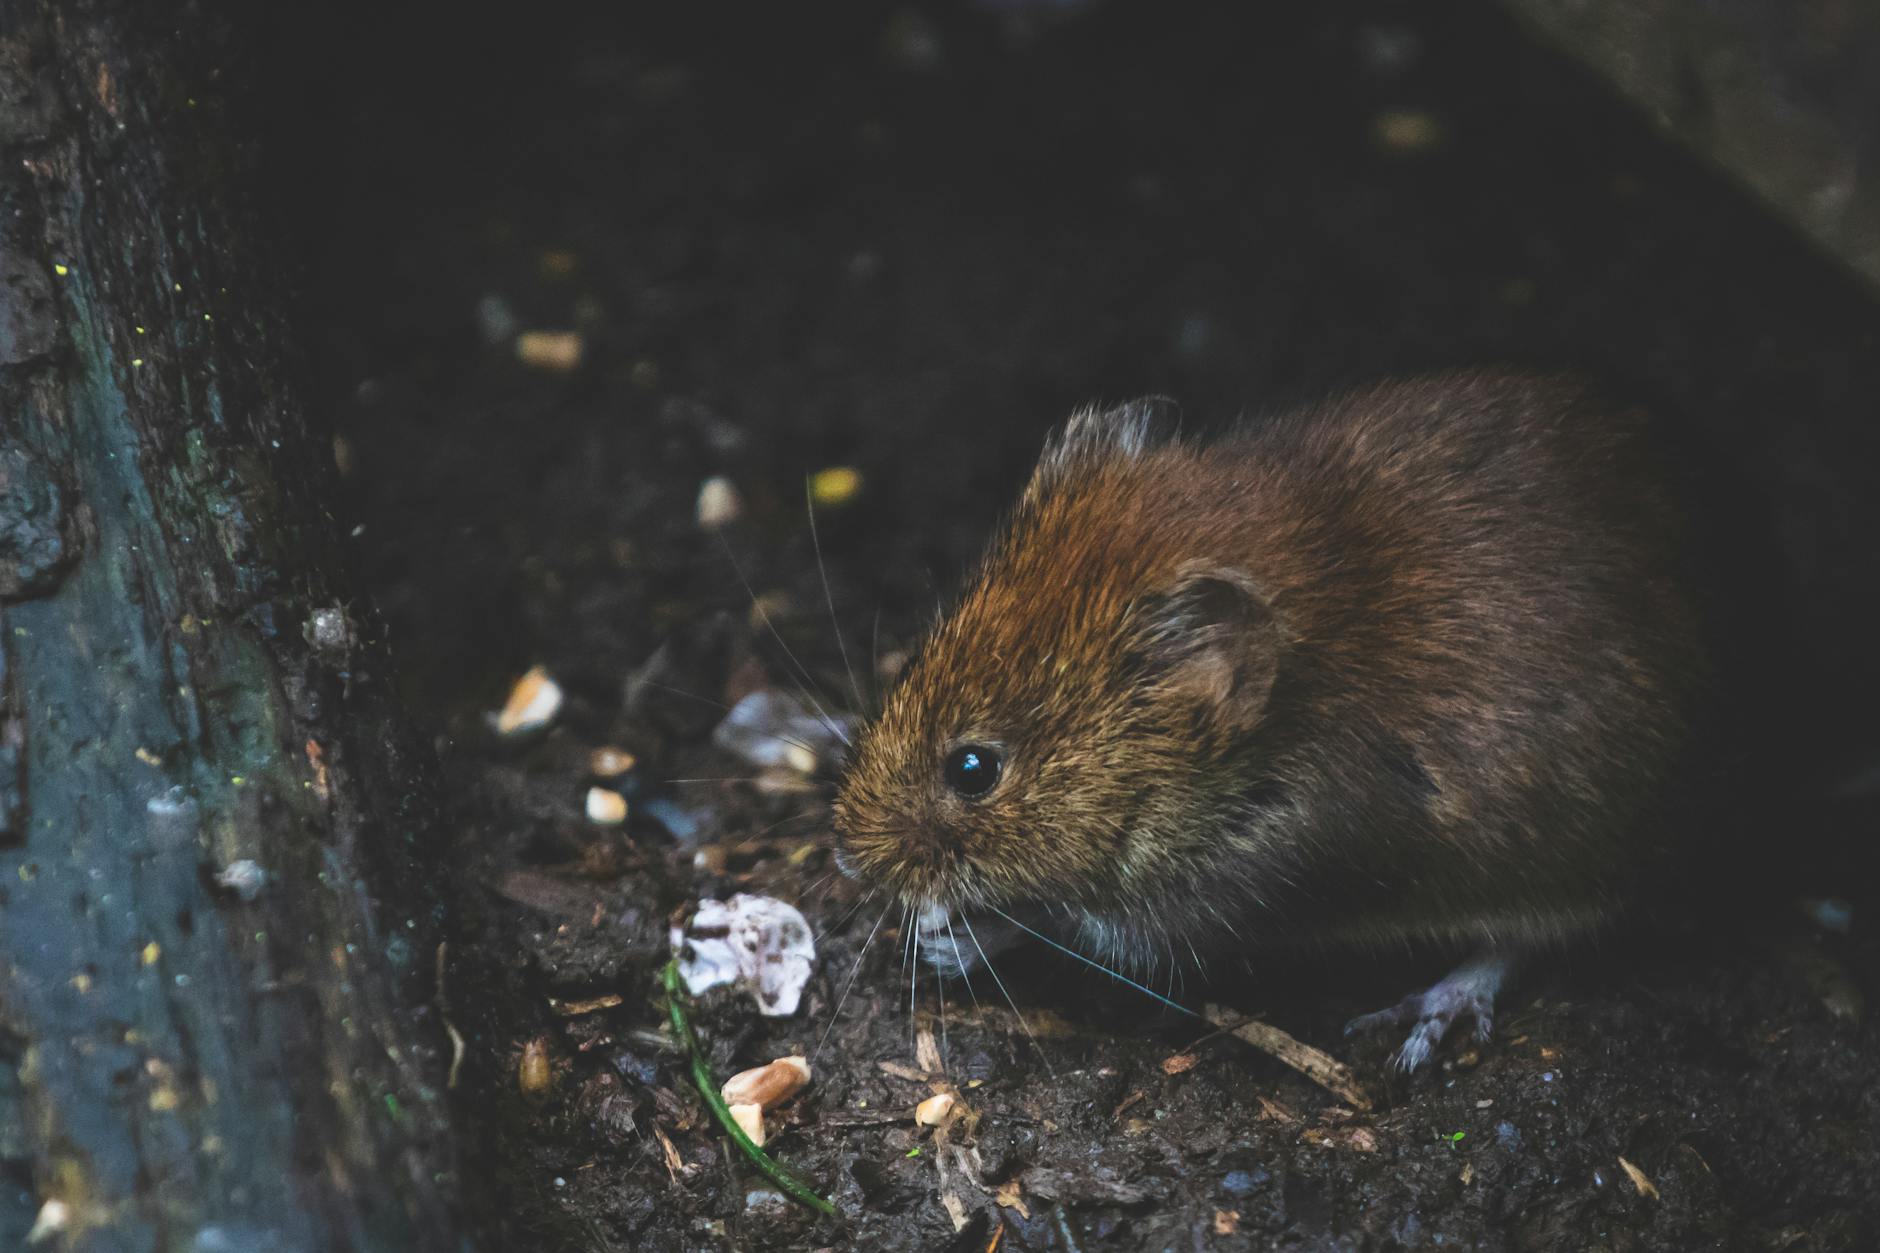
1414,662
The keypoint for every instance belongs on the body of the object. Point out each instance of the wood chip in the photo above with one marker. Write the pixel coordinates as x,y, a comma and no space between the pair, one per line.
1315,1064
1358,1139
1226,1222
956,1210
593,1005
1180,1063
675,1164
927,1052
1011,1195
898,1071
1645,1186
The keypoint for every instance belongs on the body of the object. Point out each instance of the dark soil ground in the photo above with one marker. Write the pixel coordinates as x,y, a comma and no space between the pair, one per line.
908,240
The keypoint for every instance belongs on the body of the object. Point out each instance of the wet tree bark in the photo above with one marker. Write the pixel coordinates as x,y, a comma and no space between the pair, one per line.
218,921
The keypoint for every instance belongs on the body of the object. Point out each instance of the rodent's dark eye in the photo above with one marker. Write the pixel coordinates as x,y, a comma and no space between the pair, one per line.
973,769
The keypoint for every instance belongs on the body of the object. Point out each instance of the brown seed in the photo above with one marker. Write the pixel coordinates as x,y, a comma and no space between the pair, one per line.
767,1086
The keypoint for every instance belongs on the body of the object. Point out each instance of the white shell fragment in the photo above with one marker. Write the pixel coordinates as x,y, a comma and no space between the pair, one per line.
533,703
761,944
718,503
606,807
767,1086
773,730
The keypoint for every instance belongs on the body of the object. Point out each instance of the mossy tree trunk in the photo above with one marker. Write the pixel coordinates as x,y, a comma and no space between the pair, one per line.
218,918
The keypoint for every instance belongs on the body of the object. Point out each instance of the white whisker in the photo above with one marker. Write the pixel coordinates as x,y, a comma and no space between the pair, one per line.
994,972
848,987
829,598
1094,965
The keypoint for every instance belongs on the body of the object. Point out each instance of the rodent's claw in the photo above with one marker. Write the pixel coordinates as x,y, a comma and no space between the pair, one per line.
1469,990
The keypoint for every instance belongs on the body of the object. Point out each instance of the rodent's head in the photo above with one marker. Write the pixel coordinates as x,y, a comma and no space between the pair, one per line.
1061,735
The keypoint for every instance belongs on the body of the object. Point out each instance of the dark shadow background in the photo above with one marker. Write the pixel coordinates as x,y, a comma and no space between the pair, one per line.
911,238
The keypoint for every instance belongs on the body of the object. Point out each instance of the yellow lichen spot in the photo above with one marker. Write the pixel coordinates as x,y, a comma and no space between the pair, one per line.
176,286
189,624
835,486
81,983
138,329
60,268
147,757
238,780
164,1098
137,363
152,951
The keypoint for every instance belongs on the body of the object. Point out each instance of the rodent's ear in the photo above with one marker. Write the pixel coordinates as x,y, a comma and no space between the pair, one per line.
1126,431
1212,636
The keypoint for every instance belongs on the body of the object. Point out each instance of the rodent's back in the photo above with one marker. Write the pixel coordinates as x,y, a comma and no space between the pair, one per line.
1415,661
1488,581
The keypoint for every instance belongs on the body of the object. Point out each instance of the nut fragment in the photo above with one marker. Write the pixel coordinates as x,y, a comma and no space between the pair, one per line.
550,350
767,1086
533,1071
610,763
750,1120
935,1110
606,807
533,702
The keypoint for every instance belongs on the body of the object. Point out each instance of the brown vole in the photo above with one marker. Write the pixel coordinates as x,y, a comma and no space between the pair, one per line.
1416,663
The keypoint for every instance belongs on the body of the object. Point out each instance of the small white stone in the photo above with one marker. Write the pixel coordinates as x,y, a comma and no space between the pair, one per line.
54,1217
606,807
718,503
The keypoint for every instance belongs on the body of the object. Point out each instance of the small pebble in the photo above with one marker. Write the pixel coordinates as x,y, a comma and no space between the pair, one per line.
718,503
606,807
